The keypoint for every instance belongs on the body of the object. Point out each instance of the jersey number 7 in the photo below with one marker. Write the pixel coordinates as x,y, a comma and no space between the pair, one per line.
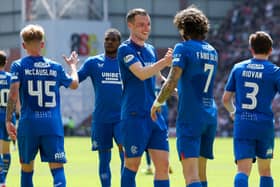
209,67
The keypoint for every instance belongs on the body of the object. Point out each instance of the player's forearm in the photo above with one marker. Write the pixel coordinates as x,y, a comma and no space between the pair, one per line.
230,107
228,101
170,84
74,76
166,91
152,70
12,100
11,106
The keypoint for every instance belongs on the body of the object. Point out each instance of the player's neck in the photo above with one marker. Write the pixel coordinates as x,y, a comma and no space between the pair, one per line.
137,41
33,52
261,56
111,55
33,48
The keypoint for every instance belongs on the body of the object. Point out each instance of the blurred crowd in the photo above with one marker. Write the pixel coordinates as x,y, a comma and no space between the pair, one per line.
230,38
231,41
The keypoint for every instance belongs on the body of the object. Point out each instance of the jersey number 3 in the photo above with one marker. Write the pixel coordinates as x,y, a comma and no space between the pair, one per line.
251,95
43,90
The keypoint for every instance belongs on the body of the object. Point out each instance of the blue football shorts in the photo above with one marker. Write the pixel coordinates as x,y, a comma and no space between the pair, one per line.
189,146
141,133
51,148
252,148
102,135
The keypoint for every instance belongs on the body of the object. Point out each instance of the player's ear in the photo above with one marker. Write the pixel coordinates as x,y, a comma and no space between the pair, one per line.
42,44
252,50
23,45
129,25
181,31
270,51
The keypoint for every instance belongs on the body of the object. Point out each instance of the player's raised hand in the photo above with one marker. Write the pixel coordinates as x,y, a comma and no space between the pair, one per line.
168,57
72,59
11,129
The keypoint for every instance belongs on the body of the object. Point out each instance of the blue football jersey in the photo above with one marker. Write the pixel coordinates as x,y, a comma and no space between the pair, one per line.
5,81
255,83
107,84
138,95
198,60
40,80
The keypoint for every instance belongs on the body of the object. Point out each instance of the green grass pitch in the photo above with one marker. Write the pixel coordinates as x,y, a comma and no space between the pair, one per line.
82,167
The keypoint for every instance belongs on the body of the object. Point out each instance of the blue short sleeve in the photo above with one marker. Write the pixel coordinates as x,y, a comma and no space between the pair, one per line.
127,56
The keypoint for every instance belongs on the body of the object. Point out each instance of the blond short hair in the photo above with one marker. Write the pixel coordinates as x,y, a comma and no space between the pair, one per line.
31,33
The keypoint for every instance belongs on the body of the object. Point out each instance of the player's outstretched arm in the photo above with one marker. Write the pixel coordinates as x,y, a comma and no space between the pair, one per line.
146,72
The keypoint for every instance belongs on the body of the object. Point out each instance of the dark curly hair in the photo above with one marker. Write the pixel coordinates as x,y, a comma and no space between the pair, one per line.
192,23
